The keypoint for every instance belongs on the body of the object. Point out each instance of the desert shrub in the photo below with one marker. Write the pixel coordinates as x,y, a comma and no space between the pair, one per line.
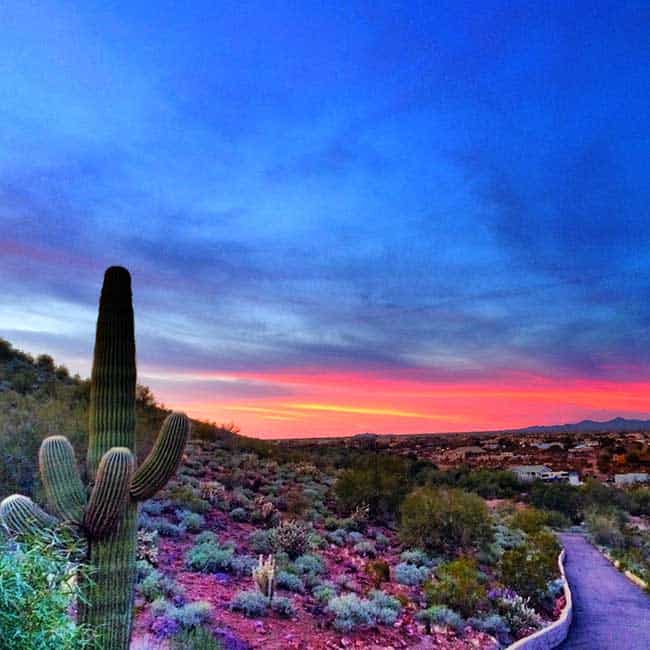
417,557
170,619
160,525
265,512
530,520
186,498
207,537
506,538
445,520
528,568
199,638
208,558
440,615
560,497
487,483
243,564
250,603
142,569
290,582
152,507
332,523
164,626
212,491
283,607
517,614
381,540
191,521
380,485
260,541
148,546
239,514
639,501
410,574
324,591
157,585
291,537
308,564
458,586
387,608
316,541
365,549
36,591
194,614
495,625
379,571
605,528
337,537
351,612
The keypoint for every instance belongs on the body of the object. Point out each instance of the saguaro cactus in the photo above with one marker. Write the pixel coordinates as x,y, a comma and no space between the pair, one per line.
106,513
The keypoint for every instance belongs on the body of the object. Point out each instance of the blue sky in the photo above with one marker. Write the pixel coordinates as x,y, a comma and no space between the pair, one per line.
454,192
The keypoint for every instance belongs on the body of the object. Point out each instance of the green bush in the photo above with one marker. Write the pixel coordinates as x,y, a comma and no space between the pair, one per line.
605,528
445,520
380,485
36,591
250,603
530,520
459,586
291,537
411,574
560,497
157,585
440,615
379,571
528,568
283,607
290,582
208,558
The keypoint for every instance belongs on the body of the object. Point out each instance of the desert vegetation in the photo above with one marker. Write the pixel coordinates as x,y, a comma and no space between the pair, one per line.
254,544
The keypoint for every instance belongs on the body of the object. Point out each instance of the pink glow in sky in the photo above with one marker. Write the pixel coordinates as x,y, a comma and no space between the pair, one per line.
334,403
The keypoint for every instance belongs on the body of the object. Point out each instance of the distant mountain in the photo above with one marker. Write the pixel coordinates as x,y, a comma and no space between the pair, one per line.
616,425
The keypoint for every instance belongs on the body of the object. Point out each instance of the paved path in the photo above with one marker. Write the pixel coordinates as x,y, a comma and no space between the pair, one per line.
609,612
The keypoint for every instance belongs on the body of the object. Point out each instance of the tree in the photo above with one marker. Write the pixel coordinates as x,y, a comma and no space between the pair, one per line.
445,520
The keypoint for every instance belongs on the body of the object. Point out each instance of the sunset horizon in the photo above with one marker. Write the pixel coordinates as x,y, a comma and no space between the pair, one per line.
410,221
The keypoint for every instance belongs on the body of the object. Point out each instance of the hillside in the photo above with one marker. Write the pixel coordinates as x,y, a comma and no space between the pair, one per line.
40,398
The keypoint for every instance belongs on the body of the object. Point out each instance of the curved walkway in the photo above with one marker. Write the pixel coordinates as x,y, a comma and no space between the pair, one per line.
609,612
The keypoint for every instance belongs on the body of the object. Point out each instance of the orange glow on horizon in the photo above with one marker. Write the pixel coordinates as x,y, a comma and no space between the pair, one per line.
322,403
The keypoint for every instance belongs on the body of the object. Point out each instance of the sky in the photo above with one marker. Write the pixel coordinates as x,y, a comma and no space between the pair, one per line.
393,217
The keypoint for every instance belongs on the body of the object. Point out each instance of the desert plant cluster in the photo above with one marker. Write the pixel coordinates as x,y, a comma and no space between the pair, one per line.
272,553
231,542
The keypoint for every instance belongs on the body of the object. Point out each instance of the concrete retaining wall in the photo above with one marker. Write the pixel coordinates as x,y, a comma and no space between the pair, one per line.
552,635
639,582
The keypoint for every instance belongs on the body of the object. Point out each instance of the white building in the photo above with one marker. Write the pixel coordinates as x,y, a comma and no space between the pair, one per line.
631,478
531,472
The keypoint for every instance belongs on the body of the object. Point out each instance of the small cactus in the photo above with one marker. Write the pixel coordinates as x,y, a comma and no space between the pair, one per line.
265,576
106,514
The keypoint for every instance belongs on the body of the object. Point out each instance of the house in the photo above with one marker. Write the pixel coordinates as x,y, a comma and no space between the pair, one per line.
574,478
631,478
531,472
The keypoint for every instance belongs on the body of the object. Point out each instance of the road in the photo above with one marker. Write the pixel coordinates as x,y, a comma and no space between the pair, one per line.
609,611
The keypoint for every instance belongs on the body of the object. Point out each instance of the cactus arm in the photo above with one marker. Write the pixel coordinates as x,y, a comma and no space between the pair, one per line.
162,462
21,516
112,387
65,492
110,494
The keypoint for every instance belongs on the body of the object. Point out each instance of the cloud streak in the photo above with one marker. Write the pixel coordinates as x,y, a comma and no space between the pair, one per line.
342,201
